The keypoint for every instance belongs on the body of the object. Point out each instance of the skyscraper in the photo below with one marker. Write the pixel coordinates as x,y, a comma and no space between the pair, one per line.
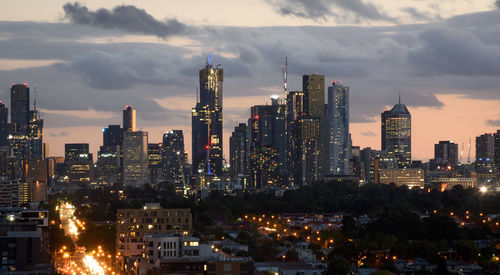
135,158
109,158
314,89
238,148
485,164
78,162
128,119
295,110
207,122
308,161
396,134
154,158
173,157
339,146
446,153
20,107
35,136
4,124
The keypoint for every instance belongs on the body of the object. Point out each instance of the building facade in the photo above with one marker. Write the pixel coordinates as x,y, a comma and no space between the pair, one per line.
339,146
396,134
135,158
207,123
133,225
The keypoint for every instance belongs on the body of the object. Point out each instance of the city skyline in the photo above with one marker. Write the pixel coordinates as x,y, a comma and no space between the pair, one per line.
93,102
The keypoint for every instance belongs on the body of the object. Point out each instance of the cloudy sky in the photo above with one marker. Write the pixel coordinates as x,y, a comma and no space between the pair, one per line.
89,59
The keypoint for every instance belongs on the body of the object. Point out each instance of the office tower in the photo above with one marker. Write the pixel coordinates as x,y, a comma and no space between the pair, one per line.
128,119
295,110
135,158
374,160
263,167
78,162
112,137
4,124
396,134
35,136
238,148
75,151
108,167
109,157
446,153
207,123
20,108
307,161
154,160
173,157
339,147
314,104
485,166
497,152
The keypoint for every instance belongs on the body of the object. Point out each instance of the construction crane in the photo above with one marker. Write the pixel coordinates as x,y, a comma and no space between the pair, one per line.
468,156
461,152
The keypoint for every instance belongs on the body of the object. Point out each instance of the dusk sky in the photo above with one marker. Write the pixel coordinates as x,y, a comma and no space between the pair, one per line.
90,59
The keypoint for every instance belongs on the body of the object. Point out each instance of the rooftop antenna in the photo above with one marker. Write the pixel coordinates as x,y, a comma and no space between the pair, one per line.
284,72
197,97
210,56
34,102
399,97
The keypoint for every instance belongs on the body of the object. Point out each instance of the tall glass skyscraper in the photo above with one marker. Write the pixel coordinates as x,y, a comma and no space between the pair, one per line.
313,86
135,158
396,134
173,157
20,108
207,123
339,145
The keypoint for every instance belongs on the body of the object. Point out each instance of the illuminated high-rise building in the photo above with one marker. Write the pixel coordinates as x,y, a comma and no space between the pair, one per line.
109,157
135,158
35,136
173,157
295,111
128,119
446,153
4,124
313,86
239,150
339,145
308,159
396,134
154,158
485,166
207,122
78,162
20,108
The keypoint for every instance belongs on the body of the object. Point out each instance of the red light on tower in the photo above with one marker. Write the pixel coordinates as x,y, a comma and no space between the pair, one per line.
207,147
256,117
25,84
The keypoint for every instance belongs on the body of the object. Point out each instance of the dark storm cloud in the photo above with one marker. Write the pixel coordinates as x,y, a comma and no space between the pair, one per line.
447,51
126,18
323,9
375,62
103,70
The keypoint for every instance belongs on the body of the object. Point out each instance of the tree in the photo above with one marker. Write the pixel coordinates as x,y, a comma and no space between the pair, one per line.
338,267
